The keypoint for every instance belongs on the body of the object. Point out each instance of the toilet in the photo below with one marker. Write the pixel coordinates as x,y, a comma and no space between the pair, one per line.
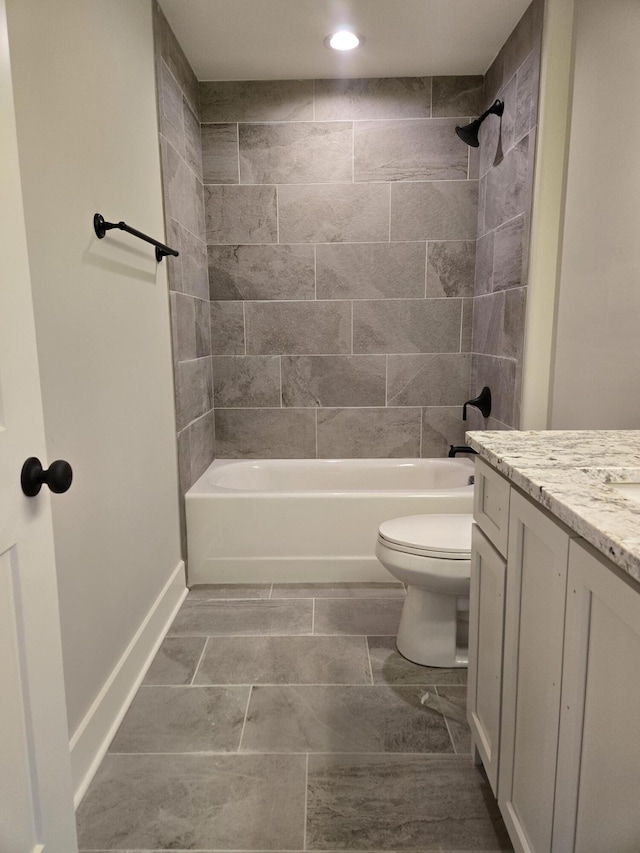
431,554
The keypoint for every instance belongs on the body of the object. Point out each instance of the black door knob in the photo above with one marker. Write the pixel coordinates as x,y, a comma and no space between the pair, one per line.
58,476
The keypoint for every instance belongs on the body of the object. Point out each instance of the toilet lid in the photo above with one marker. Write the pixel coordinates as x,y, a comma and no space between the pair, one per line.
444,536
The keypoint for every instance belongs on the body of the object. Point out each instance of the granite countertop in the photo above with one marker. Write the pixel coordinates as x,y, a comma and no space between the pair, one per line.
569,473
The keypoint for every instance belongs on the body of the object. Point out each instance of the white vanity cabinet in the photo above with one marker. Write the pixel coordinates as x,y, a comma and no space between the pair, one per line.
554,691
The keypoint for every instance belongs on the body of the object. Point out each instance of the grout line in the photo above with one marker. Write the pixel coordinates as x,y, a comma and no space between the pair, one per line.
238,149
246,714
306,799
366,644
459,756
298,684
195,671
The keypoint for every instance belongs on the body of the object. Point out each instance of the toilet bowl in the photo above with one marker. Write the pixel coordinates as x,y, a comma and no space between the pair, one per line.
431,554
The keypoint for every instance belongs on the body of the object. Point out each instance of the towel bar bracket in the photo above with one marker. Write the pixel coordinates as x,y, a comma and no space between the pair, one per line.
100,226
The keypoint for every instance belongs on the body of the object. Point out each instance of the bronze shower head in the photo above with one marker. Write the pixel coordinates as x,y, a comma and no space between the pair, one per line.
469,133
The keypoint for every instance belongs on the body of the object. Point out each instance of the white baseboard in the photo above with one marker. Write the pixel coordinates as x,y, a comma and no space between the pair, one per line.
91,739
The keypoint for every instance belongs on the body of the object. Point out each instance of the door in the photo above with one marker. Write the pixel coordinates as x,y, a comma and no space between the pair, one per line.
36,803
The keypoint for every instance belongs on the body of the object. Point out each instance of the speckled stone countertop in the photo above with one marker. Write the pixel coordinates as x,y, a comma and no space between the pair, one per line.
569,473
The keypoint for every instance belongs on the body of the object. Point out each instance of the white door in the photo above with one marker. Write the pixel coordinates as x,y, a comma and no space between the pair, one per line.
36,803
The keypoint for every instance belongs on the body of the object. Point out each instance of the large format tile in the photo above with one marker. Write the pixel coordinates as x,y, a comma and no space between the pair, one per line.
194,390
284,660
333,213
527,95
296,153
451,268
182,190
500,375
298,327
183,719
408,150
389,667
205,802
201,444
333,380
243,618
237,214
193,253
442,426
457,96
453,704
373,98
192,139
406,325
435,210
488,320
507,257
370,270
168,47
227,328
246,381
440,379
368,433
256,100
515,306
265,433
343,719
170,114
508,186
261,272
368,616
220,154
484,264
203,593
384,802
393,589
176,661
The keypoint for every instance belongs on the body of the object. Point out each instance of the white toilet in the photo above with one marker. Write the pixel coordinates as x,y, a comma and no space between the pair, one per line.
432,555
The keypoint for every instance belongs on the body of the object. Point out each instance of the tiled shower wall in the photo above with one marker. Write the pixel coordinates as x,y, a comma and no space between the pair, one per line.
181,159
341,221
504,209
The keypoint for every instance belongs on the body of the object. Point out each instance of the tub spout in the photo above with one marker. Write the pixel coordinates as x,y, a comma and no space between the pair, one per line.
460,448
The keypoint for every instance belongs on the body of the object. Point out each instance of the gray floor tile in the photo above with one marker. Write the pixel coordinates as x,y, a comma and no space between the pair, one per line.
183,719
212,592
244,618
176,661
375,616
343,719
338,590
389,667
284,660
453,704
195,802
398,802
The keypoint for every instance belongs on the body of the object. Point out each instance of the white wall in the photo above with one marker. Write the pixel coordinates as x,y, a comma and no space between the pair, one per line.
597,341
87,132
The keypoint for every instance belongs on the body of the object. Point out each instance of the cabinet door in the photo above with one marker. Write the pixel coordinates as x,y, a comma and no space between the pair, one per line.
486,628
534,630
599,747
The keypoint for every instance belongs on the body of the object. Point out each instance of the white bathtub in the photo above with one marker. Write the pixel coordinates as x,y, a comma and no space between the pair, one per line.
310,520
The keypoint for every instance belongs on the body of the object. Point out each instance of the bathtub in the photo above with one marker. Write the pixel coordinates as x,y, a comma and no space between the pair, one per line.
310,520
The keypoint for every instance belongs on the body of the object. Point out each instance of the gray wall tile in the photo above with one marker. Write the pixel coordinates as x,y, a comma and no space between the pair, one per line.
508,186
441,427
527,95
440,379
466,334
407,325
193,253
220,154
500,375
488,320
257,100
184,326
525,38
265,433
373,98
484,264
370,270
296,153
368,433
334,213
170,114
203,328
457,96
174,265
341,380
440,210
261,272
298,327
408,150
182,190
515,306
192,140
240,214
507,257
246,381
194,391
201,444
451,268
168,48
227,328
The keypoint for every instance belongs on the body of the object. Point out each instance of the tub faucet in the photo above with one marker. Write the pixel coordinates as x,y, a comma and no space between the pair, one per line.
461,448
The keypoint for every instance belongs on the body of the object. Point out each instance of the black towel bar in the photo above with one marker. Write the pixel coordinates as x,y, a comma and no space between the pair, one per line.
101,227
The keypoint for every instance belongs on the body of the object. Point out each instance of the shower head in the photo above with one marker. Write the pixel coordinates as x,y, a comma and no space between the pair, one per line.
469,133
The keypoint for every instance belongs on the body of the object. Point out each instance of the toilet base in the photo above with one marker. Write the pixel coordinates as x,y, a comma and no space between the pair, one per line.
429,629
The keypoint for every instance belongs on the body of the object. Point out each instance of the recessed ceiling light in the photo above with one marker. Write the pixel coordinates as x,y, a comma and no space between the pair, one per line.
343,40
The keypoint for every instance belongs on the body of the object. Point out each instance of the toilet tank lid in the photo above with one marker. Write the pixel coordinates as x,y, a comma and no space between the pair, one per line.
437,534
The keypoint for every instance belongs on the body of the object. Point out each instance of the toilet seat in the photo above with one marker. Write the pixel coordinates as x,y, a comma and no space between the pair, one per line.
444,537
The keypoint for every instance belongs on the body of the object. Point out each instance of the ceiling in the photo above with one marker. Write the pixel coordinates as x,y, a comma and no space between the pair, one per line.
283,39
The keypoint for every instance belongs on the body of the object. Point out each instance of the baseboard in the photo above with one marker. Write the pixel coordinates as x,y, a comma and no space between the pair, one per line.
91,739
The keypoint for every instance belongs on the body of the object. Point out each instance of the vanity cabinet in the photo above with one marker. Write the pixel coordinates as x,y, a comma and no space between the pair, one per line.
554,695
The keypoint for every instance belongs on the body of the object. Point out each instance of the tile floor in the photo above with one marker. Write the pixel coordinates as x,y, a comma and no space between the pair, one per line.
281,718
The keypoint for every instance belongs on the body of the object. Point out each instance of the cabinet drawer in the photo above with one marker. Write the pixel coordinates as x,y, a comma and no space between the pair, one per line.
491,505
